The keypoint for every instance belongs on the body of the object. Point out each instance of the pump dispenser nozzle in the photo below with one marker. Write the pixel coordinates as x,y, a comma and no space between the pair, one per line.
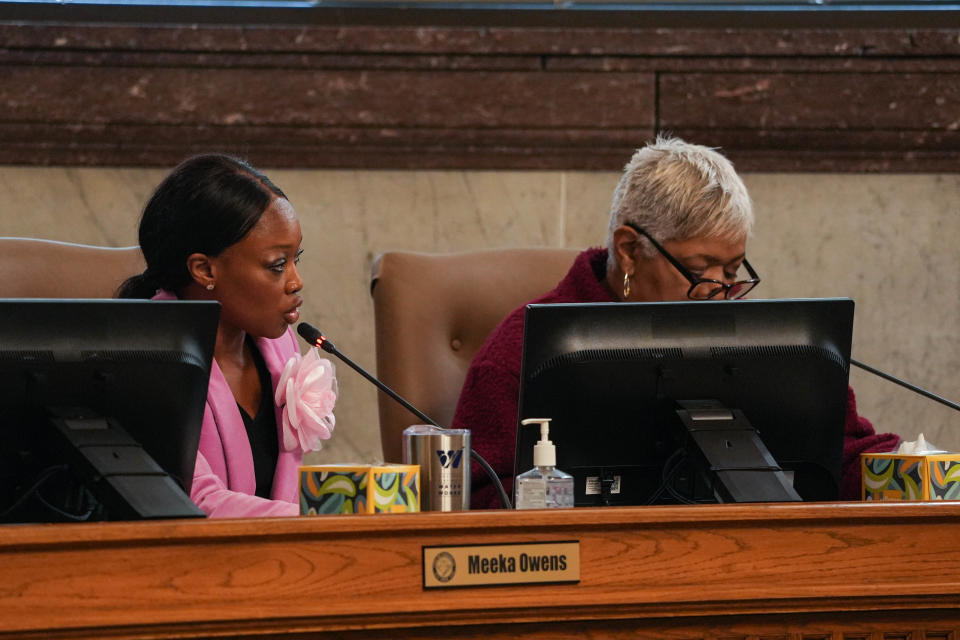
544,486
544,452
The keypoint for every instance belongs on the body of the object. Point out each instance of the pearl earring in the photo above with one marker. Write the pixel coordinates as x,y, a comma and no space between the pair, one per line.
210,286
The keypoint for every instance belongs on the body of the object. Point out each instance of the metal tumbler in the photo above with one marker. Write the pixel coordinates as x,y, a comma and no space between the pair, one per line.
444,459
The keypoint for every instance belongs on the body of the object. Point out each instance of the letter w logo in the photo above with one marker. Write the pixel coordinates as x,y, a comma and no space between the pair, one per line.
450,459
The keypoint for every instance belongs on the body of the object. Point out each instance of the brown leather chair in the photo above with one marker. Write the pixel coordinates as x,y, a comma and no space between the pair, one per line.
433,312
32,268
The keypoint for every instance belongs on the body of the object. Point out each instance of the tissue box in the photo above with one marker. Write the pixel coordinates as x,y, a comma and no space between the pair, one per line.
359,488
897,476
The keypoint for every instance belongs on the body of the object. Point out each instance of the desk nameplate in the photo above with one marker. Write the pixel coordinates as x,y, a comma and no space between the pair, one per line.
500,564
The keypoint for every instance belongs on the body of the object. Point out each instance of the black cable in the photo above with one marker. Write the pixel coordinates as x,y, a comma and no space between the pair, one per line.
44,476
35,488
76,517
667,476
682,499
504,500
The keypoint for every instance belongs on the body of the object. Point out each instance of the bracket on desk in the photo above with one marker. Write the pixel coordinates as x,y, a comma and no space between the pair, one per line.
732,454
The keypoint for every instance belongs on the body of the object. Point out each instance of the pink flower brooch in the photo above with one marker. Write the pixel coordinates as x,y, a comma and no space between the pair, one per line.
306,393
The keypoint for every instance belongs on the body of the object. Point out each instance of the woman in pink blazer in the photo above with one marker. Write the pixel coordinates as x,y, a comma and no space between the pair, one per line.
218,229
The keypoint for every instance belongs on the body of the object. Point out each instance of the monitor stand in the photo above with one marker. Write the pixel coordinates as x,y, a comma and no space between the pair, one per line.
732,454
116,469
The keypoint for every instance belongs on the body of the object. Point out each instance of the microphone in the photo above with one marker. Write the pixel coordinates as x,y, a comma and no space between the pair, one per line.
906,385
314,337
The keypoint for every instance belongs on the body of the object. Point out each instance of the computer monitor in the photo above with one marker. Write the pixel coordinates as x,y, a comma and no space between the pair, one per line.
101,403
621,382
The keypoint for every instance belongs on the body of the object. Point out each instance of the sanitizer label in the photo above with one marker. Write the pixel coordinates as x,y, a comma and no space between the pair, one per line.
532,493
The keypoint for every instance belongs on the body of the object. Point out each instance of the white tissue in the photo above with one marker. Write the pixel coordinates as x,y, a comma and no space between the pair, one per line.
918,447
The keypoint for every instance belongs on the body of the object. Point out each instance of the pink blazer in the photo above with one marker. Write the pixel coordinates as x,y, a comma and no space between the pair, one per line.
223,479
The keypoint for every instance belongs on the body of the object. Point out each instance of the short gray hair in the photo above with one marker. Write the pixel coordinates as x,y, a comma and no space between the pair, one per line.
675,190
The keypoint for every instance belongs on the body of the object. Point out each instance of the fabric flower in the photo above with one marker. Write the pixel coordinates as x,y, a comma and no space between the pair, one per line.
306,394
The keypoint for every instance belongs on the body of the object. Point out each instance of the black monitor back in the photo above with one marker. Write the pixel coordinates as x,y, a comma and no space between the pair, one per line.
610,376
143,364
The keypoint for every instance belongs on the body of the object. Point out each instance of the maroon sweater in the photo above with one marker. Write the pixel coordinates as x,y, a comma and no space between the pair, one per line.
488,401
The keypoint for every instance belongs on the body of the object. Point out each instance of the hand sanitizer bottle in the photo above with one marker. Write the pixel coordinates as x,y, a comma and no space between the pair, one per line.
544,486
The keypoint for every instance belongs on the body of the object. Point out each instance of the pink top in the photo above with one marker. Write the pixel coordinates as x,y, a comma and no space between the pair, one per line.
223,479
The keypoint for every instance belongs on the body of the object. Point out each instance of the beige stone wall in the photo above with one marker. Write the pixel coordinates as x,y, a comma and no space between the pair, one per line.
890,242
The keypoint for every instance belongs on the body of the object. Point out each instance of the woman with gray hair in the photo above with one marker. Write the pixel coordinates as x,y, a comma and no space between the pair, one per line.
690,198
678,230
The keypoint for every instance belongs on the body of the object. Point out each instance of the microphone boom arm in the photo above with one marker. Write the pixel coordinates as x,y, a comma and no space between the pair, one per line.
329,347
906,385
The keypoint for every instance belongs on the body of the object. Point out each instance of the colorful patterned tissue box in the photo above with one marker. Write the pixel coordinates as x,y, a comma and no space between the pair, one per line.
892,476
359,488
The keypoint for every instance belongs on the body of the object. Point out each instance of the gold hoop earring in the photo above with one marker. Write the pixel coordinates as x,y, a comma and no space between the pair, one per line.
626,286
210,286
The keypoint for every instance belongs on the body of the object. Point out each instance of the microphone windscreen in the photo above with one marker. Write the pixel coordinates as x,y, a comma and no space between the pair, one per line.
309,333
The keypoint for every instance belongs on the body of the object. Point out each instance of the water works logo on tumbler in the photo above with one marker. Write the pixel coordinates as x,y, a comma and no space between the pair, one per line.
444,459
450,459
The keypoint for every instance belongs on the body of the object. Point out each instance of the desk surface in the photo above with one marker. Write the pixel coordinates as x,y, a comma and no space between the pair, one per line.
791,570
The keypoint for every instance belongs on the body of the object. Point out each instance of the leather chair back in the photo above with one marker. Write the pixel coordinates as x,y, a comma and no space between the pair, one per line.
33,268
432,313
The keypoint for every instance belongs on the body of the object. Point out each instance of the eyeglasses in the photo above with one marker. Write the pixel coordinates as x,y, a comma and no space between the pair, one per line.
705,288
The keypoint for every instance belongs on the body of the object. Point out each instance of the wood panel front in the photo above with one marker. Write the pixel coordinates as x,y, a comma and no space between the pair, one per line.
710,571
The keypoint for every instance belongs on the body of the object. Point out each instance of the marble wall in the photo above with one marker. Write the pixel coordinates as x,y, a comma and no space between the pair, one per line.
890,242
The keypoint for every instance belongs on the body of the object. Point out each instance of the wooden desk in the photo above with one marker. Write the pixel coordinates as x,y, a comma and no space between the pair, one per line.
724,571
